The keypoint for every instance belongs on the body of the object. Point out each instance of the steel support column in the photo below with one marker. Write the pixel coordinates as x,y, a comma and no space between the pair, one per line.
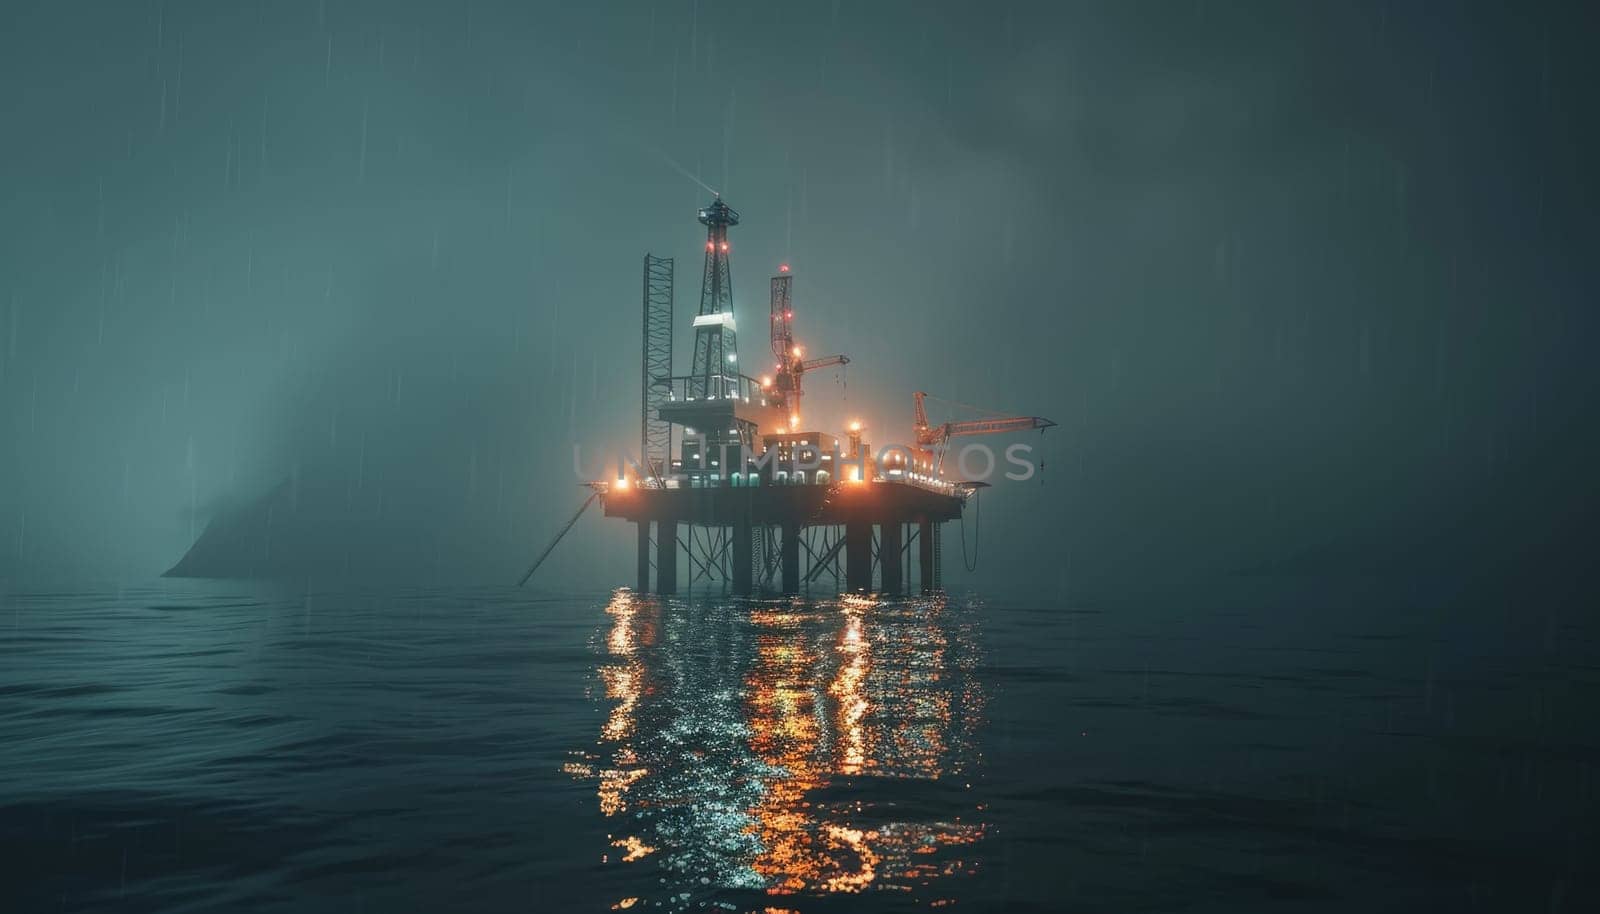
925,556
667,555
644,558
858,556
791,558
889,546
743,560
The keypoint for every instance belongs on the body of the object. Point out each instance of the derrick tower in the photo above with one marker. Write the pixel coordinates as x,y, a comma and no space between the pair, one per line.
716,350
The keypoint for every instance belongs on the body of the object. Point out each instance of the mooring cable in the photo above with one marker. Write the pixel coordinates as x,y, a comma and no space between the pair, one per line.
551,548
977,530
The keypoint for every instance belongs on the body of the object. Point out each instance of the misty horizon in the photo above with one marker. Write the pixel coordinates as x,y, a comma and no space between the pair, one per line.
394,255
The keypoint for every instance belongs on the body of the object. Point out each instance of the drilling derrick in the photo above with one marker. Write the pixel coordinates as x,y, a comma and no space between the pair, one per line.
716,350
718,408
655,433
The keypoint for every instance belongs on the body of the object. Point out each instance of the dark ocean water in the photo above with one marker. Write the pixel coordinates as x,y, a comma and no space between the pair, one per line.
1264,747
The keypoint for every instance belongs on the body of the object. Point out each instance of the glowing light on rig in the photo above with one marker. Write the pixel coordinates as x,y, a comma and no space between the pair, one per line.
794,421
766,381
783,268
724,247
621,483
855,425
798,352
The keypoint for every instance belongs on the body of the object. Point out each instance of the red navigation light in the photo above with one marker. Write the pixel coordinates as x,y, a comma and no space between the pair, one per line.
783,268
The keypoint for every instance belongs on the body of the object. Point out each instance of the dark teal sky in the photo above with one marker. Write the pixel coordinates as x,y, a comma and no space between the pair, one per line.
1305,285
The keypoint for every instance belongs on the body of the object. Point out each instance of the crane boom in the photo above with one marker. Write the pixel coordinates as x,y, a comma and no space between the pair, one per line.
824,362
938,434
993,426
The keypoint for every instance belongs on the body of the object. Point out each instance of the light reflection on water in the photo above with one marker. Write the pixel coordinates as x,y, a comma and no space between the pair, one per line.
788,748
212,747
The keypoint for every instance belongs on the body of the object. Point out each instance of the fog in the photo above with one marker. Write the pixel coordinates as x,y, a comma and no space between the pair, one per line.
1307,287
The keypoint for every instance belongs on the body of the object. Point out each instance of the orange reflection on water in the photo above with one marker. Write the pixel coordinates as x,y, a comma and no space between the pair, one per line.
812,846
781,710
636,849
782,744
847,691
624,682
924,712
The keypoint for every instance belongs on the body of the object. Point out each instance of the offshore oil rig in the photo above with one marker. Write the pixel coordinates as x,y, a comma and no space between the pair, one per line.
754,500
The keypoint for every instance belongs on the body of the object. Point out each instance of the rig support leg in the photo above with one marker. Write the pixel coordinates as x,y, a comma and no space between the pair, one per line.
791,558
858,556
644,558
743,561
667,555
889,546
925,555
